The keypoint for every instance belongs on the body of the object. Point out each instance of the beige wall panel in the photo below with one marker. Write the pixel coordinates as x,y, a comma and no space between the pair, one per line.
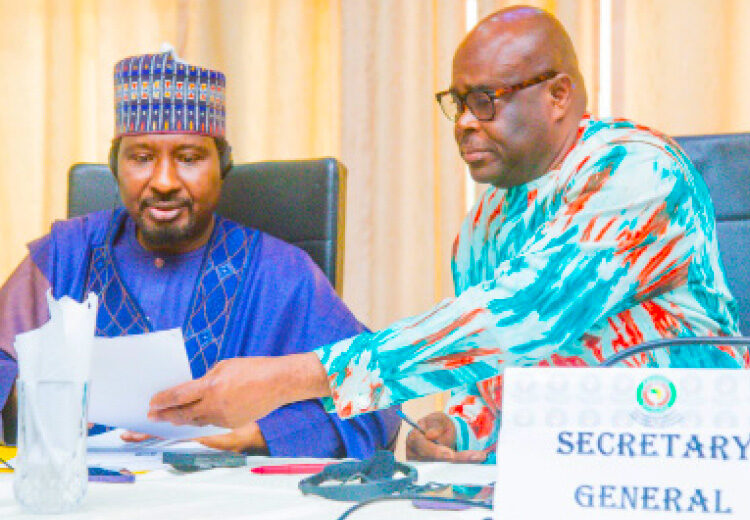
581,19
406,179
682,74
391,66
22,131
487,7
449,171
281,60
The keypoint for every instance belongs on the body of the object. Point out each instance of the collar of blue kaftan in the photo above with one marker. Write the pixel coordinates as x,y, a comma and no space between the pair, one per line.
161,284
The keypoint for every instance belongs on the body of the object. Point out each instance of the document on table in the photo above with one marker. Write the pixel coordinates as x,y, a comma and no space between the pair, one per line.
127,371
108,450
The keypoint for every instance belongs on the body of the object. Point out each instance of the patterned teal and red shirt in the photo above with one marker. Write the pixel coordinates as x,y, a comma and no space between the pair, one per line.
615,247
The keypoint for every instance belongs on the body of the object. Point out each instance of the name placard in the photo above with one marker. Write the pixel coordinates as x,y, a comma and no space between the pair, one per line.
616,443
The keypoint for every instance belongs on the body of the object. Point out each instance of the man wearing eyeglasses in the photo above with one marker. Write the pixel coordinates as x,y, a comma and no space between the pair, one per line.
593,236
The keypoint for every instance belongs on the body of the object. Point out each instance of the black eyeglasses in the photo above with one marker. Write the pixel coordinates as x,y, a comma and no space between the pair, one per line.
481,102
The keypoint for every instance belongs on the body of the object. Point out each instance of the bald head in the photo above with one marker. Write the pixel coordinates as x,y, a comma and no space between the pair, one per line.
523,64
525,41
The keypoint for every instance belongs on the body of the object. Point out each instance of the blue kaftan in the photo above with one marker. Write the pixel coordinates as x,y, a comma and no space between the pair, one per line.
243,294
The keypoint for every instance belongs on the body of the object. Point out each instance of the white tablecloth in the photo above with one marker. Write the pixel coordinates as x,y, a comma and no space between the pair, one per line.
237,493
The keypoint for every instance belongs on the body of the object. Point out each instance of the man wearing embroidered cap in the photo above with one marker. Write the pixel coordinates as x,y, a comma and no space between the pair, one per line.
167,260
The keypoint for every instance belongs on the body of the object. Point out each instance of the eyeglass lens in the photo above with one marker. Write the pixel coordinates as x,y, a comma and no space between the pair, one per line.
479,102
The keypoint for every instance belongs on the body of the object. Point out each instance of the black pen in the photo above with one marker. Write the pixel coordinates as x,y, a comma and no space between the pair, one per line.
410,422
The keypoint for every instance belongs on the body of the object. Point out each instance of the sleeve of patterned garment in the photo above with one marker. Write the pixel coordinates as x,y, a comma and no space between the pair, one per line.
23,307
475,415
301,311
625,230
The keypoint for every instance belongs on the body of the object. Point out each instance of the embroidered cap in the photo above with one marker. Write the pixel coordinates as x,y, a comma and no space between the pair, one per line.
159,93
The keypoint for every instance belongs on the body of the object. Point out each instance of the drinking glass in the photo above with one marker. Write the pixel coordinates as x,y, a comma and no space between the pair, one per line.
50,471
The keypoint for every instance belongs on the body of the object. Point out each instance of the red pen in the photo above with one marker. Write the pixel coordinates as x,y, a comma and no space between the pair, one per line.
290,469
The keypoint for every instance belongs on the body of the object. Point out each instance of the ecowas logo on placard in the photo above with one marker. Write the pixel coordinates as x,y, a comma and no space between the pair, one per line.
656,396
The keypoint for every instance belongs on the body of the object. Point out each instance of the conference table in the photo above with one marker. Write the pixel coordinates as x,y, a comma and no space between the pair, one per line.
226,493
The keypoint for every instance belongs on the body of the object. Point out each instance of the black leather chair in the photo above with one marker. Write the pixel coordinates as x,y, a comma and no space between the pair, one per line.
724,162
301,202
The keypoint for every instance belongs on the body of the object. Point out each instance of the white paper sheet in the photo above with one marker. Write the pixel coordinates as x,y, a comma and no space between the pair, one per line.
108,450
127,371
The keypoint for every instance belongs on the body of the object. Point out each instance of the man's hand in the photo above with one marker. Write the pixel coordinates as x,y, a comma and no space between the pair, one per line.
240,390
439,443
245,438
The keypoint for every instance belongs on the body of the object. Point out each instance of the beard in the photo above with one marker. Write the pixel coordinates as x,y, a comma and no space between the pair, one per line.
166,233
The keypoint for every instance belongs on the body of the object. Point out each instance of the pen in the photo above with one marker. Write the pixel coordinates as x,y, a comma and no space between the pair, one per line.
290,469
410,422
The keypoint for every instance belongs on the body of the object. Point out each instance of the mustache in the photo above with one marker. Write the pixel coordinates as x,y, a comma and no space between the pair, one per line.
471,144
170,203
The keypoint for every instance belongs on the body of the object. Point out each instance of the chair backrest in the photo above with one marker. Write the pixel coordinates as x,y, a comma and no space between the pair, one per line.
724,162
301,202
